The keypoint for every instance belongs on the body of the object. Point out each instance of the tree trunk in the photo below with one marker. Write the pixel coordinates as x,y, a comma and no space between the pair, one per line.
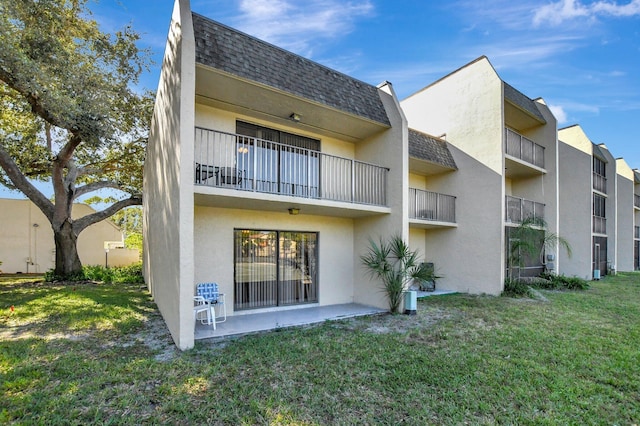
67,260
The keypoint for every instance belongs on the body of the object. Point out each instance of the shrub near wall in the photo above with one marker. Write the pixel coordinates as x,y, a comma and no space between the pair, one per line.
112,275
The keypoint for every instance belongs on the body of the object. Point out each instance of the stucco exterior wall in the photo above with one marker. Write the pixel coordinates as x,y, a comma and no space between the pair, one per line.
611,206
467,106
625,216
168,183
469,258
575,201
27,245
389,149
214,248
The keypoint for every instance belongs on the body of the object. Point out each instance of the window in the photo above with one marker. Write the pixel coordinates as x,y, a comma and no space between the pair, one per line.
274,268
599,167
599,205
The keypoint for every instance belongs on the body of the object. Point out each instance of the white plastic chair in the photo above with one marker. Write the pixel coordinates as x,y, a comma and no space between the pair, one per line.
202,307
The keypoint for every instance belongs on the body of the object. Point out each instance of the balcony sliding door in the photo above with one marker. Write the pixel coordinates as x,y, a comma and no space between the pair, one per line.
274,268
278,162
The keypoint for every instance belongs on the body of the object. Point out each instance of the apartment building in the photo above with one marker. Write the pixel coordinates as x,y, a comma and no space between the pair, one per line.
636,220
504,146
598,207
266,173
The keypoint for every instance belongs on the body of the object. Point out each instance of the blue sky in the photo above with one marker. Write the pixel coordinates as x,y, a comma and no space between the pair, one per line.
582,57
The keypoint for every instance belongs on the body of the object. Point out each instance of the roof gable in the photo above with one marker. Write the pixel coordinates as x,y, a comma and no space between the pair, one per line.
247,57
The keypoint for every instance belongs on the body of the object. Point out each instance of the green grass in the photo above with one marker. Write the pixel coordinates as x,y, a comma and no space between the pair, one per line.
100,354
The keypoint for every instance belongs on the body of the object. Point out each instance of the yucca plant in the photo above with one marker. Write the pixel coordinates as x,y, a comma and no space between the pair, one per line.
396,265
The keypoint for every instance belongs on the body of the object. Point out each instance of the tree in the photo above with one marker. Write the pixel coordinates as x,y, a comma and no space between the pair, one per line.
69,114
531,239
396,265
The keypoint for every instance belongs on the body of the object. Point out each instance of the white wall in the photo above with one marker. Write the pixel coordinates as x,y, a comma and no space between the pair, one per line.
168,186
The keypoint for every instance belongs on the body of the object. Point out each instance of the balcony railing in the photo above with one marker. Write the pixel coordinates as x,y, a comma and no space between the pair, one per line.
519,209
239,162
433,206
599,225
636,233
524,149
599,183
636,200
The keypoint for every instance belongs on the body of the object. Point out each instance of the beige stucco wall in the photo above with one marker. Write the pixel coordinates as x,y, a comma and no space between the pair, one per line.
31,249
625,216
388,149
611,205
168,187
575,201
467,106
214,248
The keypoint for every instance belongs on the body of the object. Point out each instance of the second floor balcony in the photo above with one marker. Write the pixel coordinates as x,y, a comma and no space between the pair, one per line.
431,206
599,183
599,225
524,149
519,209
636,201
636,232
233,161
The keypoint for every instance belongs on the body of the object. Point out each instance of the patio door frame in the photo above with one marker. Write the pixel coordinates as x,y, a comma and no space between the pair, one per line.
280,269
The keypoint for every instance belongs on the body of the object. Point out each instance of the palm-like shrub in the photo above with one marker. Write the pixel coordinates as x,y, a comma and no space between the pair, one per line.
396,266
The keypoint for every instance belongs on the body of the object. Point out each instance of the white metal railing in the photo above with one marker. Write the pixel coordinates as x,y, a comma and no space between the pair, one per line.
240,162
429,205
599,183
524,149
636,234
599,225
636,200
519,209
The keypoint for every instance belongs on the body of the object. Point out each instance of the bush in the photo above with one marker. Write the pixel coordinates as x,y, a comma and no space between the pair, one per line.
516,288
562,282
112,275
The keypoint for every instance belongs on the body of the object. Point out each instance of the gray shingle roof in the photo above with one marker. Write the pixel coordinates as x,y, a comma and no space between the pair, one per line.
234,52
429,148
521,100
597,152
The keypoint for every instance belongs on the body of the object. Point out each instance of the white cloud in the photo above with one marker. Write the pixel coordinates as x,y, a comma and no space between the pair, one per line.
566,10
559,113
297,26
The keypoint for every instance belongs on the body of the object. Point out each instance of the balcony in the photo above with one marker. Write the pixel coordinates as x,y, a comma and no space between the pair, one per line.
636,232
524,149
232,161
636,201
599,183
599,225
431,206
519,209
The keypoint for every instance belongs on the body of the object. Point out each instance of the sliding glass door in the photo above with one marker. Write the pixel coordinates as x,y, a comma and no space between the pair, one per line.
274,268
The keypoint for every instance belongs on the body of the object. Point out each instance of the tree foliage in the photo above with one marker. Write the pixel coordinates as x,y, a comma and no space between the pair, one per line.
69,113
396,265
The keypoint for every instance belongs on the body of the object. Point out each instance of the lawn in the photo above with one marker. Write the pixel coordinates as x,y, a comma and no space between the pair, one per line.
95,353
